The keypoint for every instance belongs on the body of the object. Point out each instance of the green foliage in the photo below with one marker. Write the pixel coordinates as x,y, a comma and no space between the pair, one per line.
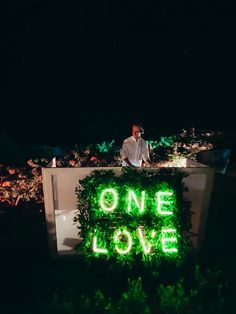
92,220
105,147
153,144
134,301
65,306
203,296
197,294
73,304
165,141
172,298
98,304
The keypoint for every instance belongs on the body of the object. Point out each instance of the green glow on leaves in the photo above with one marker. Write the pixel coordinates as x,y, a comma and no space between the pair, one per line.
146,246
153,233
96,249
165,240
113,201
117,236
160,202
131,218
132,196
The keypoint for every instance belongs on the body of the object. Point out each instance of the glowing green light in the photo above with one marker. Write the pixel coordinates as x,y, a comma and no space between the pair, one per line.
160,201
96,249
153,234
114,203
146,246
165,240
117,236
132,196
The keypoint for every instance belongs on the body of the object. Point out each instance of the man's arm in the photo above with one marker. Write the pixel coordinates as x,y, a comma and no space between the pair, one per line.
145,154
128,162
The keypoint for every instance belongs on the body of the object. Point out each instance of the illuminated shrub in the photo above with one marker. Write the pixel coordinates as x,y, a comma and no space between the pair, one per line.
137,215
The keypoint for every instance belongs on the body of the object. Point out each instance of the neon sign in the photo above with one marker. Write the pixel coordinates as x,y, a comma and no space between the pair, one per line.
150,238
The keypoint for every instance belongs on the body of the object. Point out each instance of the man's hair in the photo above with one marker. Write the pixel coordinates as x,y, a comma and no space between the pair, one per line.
137,124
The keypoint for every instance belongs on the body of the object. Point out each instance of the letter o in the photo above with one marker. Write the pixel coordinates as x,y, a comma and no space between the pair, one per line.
103,206
129,245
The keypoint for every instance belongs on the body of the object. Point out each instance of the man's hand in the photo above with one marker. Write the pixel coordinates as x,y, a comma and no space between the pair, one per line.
129,163
147,164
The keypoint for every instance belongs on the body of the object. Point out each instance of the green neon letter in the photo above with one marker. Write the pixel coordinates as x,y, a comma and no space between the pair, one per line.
120,233
96,249
146,246
160,201
114,201
166,248
132,195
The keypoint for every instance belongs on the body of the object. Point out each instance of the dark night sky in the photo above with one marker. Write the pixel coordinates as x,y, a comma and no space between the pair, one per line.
84,71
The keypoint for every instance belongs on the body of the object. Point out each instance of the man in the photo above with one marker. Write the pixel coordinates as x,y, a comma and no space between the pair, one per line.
135,149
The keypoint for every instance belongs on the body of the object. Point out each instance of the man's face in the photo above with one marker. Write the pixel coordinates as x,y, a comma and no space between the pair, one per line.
136,131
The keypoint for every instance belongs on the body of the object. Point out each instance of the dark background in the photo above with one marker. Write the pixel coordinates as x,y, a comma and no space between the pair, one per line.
84,71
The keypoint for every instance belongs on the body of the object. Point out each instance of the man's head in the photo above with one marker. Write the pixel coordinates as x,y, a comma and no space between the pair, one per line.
137,131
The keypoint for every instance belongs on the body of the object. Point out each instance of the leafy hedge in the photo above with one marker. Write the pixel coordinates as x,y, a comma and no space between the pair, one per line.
92,220
203,294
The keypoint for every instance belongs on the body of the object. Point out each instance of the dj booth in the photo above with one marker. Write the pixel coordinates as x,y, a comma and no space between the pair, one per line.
60,203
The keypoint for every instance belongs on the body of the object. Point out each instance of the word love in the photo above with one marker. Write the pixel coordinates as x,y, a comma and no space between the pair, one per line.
109,201
123,241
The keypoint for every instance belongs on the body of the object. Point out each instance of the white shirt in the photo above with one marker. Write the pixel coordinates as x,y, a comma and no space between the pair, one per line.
135,151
